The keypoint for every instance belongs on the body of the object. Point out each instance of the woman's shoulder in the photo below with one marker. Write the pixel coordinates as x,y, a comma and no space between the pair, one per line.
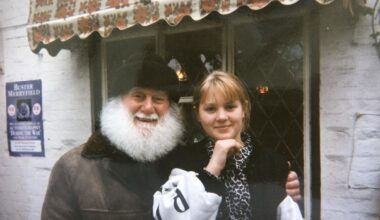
190,156
267,165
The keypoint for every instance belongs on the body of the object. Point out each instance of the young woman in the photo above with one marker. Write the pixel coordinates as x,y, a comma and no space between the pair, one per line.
250,179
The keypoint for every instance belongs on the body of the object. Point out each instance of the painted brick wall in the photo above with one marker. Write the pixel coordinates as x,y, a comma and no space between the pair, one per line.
66,109
349,117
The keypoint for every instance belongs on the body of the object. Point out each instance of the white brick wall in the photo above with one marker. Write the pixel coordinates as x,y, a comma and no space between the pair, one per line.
66,110
349,118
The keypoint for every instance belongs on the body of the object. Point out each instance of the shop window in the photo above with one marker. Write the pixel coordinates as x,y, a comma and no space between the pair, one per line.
198,52
269,57
268,54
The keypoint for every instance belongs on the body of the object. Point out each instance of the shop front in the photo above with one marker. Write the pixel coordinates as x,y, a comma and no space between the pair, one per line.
272,46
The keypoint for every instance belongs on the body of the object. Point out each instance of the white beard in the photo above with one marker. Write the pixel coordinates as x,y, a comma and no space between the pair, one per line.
116,123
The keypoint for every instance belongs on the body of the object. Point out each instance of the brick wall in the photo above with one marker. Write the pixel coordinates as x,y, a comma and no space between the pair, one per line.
66,110
350,117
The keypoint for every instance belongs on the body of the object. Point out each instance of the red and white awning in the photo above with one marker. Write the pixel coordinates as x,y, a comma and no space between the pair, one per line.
50,20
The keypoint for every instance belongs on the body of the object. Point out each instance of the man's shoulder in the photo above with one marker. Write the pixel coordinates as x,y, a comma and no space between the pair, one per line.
72,154
86,153
69,163
71,158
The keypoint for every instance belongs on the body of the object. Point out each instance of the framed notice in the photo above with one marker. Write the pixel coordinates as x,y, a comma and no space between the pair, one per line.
24,118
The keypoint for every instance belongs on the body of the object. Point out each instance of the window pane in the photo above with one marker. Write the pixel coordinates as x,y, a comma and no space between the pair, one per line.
269,57
198,52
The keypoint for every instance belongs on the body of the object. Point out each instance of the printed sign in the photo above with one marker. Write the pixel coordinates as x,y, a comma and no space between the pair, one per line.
24,118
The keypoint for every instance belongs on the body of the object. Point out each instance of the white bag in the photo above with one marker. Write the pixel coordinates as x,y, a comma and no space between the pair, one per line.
288,210
184,197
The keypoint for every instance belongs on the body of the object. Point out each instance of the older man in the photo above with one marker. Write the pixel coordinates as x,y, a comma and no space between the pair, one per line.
116,172
114,175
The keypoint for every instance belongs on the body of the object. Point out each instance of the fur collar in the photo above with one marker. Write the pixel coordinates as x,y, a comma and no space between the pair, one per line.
98,146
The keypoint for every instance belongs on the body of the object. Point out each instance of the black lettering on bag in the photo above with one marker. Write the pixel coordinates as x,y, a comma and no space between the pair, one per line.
158,213
183,201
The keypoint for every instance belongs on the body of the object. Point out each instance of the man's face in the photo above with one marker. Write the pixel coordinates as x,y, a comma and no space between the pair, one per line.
147,106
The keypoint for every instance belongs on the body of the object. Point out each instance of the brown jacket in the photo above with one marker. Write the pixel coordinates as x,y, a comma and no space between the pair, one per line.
97,181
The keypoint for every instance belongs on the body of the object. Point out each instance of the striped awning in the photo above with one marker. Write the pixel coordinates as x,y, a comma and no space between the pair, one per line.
50,20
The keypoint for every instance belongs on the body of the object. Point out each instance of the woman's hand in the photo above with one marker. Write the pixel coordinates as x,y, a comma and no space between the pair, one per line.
222,150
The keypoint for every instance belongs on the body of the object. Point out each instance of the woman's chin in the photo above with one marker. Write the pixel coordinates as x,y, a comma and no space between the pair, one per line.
223,137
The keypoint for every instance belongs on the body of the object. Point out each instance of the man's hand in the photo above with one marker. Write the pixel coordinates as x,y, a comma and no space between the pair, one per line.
293,186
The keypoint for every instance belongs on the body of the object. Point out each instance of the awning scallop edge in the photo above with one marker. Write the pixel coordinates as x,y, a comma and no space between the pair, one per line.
50,20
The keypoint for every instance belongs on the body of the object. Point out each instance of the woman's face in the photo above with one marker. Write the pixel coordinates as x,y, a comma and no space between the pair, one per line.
221,118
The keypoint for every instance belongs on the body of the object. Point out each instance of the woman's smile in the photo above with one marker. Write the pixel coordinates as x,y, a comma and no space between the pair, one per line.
222,127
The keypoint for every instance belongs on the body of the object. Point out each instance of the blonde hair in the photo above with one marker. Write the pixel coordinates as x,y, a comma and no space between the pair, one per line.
229,86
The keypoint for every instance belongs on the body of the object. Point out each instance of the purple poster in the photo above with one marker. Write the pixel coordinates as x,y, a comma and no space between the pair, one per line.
24,118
